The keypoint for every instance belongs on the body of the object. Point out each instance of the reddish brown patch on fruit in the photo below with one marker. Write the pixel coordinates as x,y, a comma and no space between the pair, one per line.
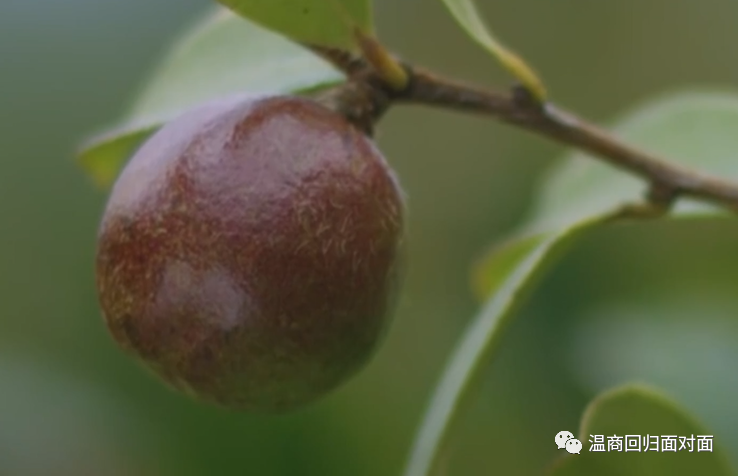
250,252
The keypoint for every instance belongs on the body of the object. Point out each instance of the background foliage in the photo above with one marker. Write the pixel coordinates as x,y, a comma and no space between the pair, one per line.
654,302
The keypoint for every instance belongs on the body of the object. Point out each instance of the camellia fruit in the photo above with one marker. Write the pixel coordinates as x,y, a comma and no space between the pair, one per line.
251,251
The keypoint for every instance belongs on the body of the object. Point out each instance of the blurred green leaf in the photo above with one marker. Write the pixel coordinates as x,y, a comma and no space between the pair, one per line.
661,334
513,273
638,410
466,14
223,55
494,269
696,129
103,156
322,22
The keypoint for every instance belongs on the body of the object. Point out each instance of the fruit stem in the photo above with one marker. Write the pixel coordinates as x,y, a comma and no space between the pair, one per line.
362,101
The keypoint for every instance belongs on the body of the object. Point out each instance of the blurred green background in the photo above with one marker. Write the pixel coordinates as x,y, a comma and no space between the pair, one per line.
652,302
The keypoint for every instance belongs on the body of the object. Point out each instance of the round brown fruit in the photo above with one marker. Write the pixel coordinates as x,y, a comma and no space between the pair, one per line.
250,252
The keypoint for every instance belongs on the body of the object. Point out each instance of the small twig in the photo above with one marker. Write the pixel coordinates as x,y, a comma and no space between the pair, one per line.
668,180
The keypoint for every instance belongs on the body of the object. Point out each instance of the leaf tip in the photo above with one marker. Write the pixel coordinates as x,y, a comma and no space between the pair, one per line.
86,159
103,155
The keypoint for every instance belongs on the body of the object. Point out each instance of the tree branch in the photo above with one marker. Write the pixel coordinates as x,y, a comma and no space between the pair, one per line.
668,180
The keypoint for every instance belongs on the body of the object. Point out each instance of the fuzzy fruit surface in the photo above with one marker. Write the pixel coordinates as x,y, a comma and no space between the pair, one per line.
250,252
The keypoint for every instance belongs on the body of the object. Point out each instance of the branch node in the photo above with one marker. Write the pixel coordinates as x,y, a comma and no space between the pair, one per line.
524,98
662,194
361,101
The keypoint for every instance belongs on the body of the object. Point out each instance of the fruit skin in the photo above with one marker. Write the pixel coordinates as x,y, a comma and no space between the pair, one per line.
251,251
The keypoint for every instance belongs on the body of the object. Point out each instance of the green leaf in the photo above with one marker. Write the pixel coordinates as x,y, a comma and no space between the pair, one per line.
322,22
515,270
103,156
497,265
661,334
466,14
222,56
696,129
639,410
